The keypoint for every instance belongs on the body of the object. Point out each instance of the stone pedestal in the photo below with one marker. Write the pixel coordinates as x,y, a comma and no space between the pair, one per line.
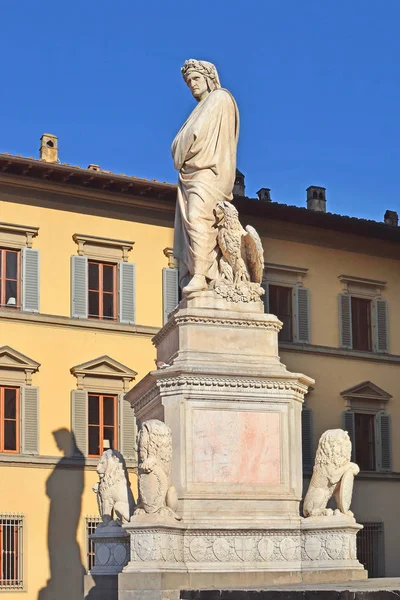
235,415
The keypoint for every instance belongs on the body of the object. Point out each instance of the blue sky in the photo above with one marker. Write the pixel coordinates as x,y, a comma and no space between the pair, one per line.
317,84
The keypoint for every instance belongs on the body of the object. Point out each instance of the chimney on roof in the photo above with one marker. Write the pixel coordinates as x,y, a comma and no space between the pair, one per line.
391,218
49,148
316,198
239,188
264,194
92,167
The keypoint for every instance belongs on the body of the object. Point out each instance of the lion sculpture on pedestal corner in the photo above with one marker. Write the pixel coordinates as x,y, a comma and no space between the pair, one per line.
156,494
114,494
333,475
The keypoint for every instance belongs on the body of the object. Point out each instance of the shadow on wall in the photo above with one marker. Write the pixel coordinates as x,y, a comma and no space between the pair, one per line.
64,487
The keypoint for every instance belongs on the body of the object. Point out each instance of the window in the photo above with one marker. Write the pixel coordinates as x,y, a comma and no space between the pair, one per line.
364,433
10,278
103,282
11,545
363,315
280,304
9,419
287,298
361,323
102,291
102,423
91,524
369,426
98,409
370,548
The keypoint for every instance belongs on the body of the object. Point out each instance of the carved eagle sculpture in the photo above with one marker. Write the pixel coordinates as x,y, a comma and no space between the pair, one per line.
242,252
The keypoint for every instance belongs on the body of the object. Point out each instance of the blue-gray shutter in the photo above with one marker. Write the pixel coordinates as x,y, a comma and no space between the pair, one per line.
127,292
349,426
381,326
345,324
303,315
79,287
170,291
384,442
79,420
29,420
307,439
30,280
265,298
127,429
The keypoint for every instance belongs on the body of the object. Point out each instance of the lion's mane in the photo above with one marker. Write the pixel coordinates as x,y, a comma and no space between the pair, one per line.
334,448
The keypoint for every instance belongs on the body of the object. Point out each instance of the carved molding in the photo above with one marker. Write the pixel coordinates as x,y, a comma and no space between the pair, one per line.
102,248
103,373
17,236
238,547
16,368
219,321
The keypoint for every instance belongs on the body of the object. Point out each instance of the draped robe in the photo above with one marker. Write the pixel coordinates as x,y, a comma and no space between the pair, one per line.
204,153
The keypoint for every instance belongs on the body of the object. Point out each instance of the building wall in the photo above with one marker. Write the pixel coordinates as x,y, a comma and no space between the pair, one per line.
58,521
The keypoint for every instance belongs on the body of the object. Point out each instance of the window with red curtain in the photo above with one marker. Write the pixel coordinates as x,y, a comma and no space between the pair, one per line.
102,291
10,278
102,423
9,419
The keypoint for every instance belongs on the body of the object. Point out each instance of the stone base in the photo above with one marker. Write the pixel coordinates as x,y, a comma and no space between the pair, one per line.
208,586
111,545
171,556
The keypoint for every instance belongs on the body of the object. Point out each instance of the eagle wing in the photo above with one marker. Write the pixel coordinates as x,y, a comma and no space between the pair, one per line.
254,254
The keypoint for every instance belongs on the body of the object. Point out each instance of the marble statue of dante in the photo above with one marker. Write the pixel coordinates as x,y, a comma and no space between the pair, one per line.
204,153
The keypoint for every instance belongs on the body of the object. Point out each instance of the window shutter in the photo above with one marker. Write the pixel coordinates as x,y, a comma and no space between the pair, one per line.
127,292
79,420
384,442
265,298
79,287
170,291
30,280
345,325
307,439
381,326
127,429
303,315
349,426
30,420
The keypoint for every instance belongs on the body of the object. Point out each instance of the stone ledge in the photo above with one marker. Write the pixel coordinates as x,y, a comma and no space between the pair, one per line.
21,460
328,592
88,324
338,352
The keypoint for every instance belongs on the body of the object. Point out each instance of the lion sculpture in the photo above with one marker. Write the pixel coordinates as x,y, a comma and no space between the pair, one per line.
333,475
114,494
156,494
241,264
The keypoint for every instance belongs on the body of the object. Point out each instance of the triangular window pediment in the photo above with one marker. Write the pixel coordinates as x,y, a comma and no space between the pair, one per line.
366,389
366,397
12,359
94,374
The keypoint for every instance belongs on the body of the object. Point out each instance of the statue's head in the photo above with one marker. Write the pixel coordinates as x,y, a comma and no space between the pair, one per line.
201,77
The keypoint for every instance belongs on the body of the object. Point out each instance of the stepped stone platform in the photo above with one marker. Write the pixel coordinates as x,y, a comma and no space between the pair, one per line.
371,589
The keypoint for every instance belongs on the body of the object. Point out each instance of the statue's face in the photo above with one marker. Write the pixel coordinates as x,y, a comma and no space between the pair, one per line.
197,84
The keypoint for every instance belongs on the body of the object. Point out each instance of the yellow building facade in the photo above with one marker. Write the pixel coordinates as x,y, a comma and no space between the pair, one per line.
87,280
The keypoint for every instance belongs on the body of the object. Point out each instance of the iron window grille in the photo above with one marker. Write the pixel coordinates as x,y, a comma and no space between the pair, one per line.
11,551
370,548
91,524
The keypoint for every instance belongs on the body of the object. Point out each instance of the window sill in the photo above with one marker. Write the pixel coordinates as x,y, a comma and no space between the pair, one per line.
339,352
90,324
67,462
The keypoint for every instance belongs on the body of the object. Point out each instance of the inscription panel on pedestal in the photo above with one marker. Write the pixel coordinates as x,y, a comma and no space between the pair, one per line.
236,447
